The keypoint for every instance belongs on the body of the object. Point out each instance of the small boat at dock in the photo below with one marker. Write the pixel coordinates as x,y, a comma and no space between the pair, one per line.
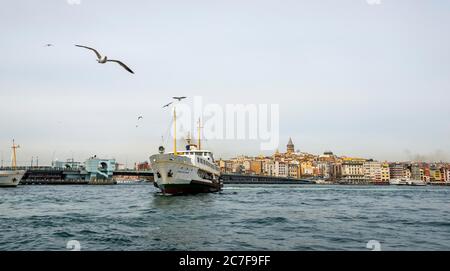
11,177
407,182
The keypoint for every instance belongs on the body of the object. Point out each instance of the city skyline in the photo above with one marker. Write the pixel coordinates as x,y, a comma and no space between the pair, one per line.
289,148
348,77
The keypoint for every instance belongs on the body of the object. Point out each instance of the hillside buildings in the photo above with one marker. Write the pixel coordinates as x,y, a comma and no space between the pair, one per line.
327,166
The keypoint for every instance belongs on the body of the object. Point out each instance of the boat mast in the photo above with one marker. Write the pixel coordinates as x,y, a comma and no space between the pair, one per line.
174,131
199,134
14,159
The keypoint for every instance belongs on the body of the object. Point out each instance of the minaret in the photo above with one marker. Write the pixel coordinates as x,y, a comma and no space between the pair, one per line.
290,146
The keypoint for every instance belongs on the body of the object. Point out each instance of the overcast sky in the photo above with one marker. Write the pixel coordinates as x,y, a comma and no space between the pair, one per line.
358,79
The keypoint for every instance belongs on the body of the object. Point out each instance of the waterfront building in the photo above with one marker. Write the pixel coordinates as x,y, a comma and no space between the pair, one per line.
281,169
385,173
307,169
327,156
445,173
225,166
269,168
435,174
353,170
324,169
238,168
246,165
448,174
294,169
407,173
144,166
416,173
426,174
335,171
397,171
372,171
256,167
120,166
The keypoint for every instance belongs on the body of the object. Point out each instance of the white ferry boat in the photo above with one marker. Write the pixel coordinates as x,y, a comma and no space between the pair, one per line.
186,172
407,182
190,171
397,182
11,177
416,183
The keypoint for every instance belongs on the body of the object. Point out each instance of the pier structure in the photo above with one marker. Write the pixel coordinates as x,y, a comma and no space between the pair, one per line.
259,179
100,171
69,176
133,175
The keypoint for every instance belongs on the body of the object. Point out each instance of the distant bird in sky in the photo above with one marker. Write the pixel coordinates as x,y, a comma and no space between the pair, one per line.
140,117
167,105
179,98
48,45
104,59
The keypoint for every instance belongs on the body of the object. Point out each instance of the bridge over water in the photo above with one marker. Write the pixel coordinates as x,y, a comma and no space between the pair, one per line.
258,179
52,175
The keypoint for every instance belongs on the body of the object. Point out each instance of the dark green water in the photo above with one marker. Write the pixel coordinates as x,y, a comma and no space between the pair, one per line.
242,217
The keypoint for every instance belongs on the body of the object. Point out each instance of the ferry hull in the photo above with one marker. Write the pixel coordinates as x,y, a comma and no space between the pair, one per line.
10,178
191,188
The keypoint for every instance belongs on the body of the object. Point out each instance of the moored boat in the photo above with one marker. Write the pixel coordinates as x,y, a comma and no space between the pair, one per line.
397,182
407,182
11,177
416,183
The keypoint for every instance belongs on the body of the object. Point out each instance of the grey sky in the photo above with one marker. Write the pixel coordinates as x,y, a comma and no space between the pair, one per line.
358,79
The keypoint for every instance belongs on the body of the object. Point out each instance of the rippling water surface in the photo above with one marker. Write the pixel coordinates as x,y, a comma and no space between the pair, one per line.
242,217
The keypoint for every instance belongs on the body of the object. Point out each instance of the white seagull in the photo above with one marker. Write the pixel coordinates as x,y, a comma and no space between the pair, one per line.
104,59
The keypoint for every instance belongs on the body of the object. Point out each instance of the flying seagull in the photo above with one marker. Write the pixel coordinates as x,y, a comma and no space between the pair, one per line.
179,98
104,59
167,105
48,45
140,117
